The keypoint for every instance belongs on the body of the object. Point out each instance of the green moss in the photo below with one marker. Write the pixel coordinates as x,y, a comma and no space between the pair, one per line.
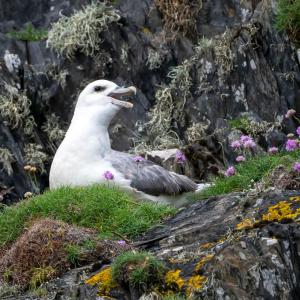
40,275
29,33
140,269
288,18
106,209
73,252
80,31
248,173
240,123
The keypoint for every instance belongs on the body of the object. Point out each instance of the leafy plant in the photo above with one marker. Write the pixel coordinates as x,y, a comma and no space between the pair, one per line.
29,33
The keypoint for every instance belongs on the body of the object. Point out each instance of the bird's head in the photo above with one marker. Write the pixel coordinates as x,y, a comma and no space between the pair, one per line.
105,98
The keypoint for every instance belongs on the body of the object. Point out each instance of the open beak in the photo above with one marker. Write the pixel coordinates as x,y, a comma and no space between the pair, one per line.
117,94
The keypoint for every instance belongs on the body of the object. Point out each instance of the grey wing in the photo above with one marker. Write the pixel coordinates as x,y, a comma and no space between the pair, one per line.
150,178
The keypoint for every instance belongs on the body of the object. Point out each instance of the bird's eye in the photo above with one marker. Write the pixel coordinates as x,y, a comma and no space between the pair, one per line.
99,88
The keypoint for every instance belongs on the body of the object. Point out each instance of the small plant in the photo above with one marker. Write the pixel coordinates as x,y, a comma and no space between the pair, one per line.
41,275
15,108
8,290
288,18
80,32
34,156
179,15
139,269
54,131
73,252
6,158
29,33
154,60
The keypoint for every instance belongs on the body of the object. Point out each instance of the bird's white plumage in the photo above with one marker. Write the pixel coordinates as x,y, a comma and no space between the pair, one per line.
85,153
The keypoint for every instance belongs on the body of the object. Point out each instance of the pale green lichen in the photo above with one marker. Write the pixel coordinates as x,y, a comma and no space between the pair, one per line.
80,31
154,59
53,128
6,159
15,109
196,132
34,156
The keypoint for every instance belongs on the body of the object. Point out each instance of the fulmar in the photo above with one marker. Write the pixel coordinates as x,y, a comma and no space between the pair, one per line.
85,155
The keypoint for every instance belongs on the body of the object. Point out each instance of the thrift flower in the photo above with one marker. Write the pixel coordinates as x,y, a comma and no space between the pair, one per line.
249,144
240,158
138,159
297,167
180,157
108,175
245,138
290,113
298,130
121,243
236,144
273,150
290,145
230,172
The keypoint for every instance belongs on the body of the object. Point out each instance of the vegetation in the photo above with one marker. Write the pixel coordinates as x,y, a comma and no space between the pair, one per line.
139,269
29,33
179,15
288,18
35,156
249,172
106,209
6,159
80,32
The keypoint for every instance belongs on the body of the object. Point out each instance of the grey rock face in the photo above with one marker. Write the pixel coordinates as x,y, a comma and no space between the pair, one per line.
254,69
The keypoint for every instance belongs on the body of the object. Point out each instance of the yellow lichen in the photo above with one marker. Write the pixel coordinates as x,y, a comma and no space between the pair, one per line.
195,283
246,224
207,245
173,278
103,280
281,211
203,261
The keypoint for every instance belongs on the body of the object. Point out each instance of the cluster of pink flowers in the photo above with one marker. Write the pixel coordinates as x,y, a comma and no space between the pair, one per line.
108,175
180,157
297,167
245,142
273,150
240,158
230,171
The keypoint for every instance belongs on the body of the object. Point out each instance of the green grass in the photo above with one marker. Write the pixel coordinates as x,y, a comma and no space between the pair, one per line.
140,269
248,172
106,209
242,123
288,18
29,33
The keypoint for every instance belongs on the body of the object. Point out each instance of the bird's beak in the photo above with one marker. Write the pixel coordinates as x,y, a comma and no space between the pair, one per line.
120,92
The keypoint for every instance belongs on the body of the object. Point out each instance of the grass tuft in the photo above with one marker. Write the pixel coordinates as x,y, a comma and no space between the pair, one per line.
106,209
247,173
29,33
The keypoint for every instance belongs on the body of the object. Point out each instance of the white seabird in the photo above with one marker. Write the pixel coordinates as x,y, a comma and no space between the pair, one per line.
85,153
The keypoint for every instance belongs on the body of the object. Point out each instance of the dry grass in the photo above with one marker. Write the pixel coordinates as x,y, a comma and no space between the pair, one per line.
42,253
179,15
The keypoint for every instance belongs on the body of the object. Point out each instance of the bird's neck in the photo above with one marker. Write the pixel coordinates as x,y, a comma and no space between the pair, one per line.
89,131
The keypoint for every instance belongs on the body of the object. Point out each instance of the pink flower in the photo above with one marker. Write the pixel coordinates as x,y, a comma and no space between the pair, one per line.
138,159
296,167
240,158
236,144
249,144
108,175
180,157
121,243
245,138
273,150
290,113
290,145
230,172
298,130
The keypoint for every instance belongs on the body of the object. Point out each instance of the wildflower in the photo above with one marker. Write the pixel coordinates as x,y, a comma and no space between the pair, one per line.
240,158
296,167
121,243
180,157
236,144
290,113
245,138
290,145
249,144
108,175
273,150
138,159
298,130
230,172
